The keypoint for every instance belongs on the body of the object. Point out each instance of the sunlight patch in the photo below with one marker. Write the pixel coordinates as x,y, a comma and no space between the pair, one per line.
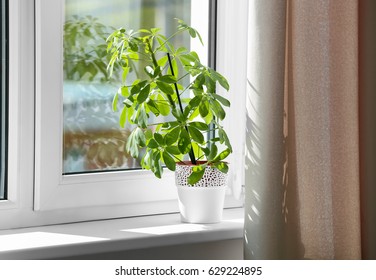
21,241
171,229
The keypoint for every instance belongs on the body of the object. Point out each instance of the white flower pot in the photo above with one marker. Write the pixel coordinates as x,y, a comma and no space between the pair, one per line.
201,205
202,202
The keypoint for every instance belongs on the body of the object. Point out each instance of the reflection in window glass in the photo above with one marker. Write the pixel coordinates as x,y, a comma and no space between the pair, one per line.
93,140
3,98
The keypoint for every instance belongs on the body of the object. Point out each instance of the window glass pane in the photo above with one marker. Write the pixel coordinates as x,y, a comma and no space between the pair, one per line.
3,99
93,140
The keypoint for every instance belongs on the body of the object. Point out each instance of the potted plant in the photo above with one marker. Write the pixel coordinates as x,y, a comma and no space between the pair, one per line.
159,69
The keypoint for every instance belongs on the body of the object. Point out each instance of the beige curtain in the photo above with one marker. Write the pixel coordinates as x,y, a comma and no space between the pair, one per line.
304,184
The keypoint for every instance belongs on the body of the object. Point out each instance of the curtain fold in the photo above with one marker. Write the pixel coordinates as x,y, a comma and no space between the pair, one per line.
367,89
302,147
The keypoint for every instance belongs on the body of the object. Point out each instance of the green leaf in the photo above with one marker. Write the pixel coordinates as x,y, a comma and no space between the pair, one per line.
173,150
224,154
187,59
142,117
128,102
162,45
162,61
149,71
221,99
195,176
215,139
200,167
134,46
163,106
157,71
174,67
148,134
166,88
200,38
144,94
115,102
197,150
156,165
155,30
206,151
172,136
123,117
224,138
130,112
221,166
140,137
200,125
192,32
144,31
199,81
137,87
152,144
170,125
159,138
194,114
184,143
131,146
209,118
210,84
195,101
204,108
169,79
218,77
196,134
133,55
217,109
146,160
169,161
124,91
152,106
195,55
125,74
178,115
181,50
187,111
213,152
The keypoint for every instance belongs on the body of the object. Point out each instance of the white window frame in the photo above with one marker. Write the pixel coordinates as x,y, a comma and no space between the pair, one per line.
12,201
38,194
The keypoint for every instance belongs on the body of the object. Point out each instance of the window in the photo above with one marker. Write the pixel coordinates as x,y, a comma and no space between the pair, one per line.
3,99
43,188
93,140
68,141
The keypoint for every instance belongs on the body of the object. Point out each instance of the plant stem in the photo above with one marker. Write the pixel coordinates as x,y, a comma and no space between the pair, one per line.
175,85
155,62
191,152
177,158
169,38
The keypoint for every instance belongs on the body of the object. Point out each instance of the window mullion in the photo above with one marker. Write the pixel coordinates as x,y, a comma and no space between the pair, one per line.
212,51
4,99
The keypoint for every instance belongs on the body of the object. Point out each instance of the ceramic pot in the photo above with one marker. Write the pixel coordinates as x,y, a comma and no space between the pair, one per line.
203,202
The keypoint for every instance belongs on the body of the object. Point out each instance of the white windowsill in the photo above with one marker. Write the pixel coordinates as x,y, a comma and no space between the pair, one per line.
69,240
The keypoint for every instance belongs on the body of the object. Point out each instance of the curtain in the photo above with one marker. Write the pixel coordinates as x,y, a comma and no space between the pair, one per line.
305,167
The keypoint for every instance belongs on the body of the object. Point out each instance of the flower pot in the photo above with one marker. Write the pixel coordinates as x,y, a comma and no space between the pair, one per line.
203,202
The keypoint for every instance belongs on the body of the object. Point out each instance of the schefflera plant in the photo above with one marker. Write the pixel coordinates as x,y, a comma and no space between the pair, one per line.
158,91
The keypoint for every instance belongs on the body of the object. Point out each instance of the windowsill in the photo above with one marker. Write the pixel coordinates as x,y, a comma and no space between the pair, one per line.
69,240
